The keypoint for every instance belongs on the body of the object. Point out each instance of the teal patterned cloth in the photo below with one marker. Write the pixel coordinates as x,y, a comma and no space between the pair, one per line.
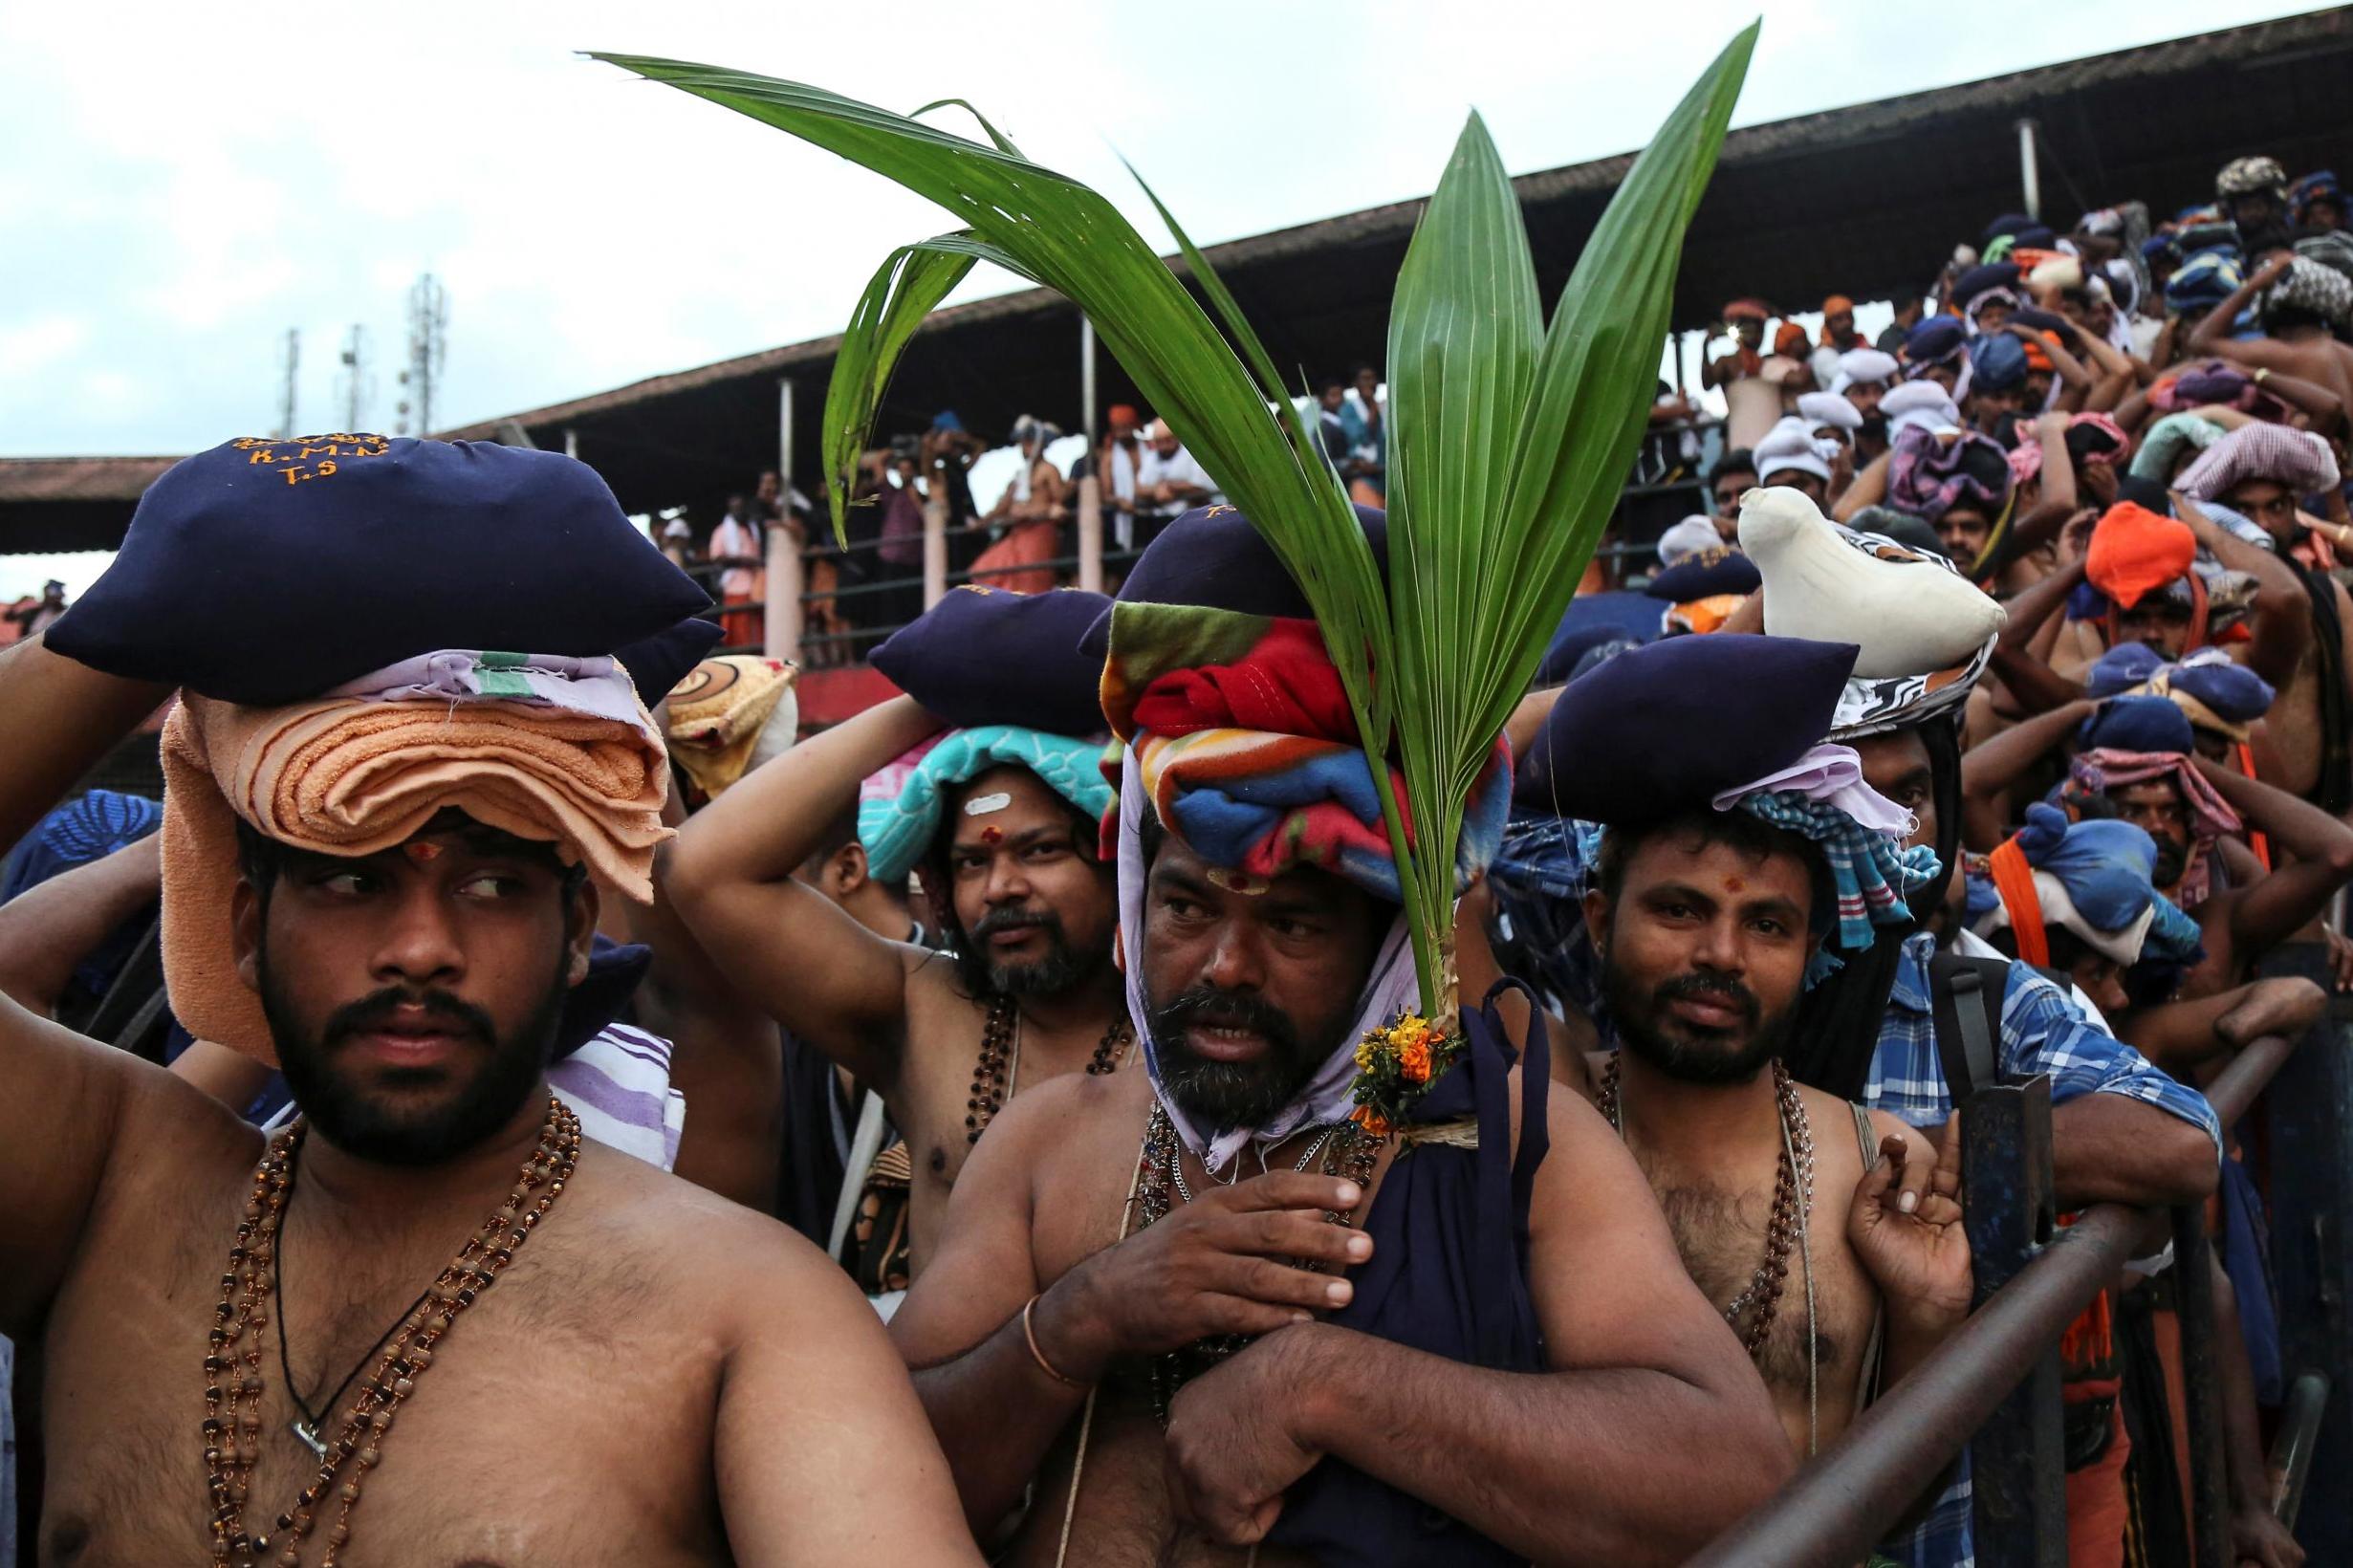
896,831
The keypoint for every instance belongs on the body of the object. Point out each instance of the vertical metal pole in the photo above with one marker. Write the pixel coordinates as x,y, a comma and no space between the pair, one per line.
2017,1466
784,436
1086,379
572,443
2311,1115
785,569
1091,534
2030,173
935,546
2209,1488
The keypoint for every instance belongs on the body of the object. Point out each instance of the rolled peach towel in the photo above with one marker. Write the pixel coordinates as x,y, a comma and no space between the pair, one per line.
349,777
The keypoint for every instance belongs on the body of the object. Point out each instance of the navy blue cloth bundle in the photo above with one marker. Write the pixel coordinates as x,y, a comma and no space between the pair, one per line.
985,656
2137,724
1212,555
1705,575
266,572
1663,727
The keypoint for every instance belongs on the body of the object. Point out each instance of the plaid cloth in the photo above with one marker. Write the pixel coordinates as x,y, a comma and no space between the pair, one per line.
1872,873
2041,1033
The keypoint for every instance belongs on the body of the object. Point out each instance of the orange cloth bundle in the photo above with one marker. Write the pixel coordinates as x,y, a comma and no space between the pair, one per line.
346,777
2135,552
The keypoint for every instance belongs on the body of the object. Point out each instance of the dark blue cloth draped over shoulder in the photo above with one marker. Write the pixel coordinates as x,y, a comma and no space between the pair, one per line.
1447,1276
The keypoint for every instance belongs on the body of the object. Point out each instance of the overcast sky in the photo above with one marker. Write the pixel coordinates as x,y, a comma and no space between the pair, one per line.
183,184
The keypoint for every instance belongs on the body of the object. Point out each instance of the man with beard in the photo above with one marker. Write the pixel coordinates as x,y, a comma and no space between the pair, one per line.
998,820
280,1350
1201,1307
1709,900
1863,377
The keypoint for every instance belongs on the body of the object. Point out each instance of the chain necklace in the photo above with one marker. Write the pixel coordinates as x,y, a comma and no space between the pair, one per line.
1349,1151
232,1360
1001,1059
1793,1201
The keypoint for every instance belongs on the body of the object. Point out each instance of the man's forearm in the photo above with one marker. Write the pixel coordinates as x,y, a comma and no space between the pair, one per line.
995,1413
46,931
78,715
1623,1465
2111,1148
775,817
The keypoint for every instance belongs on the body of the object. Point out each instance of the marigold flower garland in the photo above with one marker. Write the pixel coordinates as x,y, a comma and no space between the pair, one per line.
1396,1065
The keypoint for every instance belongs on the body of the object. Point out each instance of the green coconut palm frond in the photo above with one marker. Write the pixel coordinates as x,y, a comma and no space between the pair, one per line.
1060,232
1507,442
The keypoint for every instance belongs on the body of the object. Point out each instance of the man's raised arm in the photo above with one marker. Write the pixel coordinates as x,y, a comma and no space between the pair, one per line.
62,1098
786,946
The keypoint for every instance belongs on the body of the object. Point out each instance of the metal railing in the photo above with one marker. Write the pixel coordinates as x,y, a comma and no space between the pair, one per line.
1994,1386
832,626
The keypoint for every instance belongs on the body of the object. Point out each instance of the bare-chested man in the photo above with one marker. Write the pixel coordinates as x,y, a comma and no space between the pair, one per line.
2260,471
1705,926
1429,1382
1028,996
658,1377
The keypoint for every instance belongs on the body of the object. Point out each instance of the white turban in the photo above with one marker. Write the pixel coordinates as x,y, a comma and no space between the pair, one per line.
1860,366
1790,445
1820,408
1923,403
1687,538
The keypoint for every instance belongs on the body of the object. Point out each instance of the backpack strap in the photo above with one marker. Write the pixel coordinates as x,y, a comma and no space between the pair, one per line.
1965,998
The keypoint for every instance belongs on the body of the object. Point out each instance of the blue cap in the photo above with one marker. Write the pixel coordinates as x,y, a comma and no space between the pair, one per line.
1663,728
989,655
266,572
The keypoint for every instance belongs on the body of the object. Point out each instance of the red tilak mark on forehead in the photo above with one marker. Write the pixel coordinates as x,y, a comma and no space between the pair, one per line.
422,853
993,835
1734,884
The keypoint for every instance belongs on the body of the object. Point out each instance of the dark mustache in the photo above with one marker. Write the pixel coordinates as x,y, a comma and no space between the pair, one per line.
1014,920
1212,1009
1712,987
375,1012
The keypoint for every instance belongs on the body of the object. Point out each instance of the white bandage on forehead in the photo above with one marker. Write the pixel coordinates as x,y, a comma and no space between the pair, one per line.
981,805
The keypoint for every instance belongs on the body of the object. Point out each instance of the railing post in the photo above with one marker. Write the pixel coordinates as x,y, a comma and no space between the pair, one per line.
784,591
2209,1484
2017,1462
1091,534
935,546
2311,1112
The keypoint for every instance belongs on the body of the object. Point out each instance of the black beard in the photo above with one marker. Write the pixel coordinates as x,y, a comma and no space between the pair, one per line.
345,1116
1682,1052
1062,969
1222,1094
2172,860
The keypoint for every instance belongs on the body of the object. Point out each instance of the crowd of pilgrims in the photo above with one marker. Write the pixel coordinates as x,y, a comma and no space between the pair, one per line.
1995,726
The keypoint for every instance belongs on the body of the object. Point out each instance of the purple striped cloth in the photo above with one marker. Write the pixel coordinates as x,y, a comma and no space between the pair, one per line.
619,1084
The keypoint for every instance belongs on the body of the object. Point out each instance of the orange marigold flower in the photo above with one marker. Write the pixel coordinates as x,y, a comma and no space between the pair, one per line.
1413,1061
1371,1120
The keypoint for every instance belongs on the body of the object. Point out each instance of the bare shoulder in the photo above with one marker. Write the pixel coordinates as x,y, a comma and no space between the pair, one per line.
701,1243
1071,1116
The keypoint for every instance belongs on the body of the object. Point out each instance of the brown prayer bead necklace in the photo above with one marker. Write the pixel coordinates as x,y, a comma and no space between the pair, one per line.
232,1360
1348,1151
1001,1059
1795,1176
